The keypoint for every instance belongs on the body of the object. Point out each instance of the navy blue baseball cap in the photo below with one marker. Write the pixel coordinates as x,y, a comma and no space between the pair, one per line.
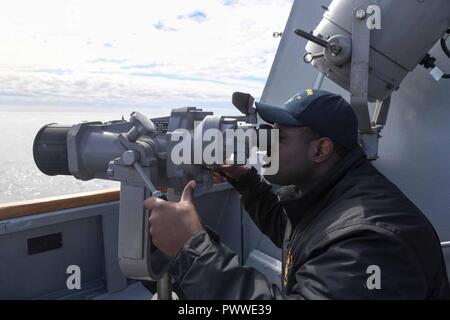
322,111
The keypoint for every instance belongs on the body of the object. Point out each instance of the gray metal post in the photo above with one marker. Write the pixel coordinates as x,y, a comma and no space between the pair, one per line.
319,81
359,77
164,287
445,244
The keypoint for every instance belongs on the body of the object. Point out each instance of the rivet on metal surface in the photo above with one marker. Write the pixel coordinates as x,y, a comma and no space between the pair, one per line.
360,14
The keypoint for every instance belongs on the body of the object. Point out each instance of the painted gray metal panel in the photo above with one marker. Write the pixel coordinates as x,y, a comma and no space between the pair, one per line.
135,291
221,210
267,265
115,280
415,148
55,217
253,238
24,276
89,240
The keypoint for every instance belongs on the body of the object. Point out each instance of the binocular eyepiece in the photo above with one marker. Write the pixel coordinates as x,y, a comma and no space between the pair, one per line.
50,149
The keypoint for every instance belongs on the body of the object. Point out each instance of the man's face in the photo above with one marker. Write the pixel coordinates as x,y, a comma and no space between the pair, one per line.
295,156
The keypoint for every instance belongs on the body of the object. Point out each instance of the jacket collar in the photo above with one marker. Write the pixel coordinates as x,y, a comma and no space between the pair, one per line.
302,207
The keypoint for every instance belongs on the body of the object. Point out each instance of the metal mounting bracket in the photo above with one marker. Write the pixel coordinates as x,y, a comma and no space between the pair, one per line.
369,131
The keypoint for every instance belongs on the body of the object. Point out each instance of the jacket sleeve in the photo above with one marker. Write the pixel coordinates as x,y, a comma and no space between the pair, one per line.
206,269
341,266
263,205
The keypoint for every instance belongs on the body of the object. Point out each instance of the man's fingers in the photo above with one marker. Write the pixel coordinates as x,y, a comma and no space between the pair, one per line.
222,171
188,190
232,171
152,202
224,167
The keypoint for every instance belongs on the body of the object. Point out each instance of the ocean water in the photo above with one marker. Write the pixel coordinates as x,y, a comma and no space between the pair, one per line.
20,179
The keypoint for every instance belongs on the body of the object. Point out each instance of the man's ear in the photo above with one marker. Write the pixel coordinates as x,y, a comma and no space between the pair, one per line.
324,148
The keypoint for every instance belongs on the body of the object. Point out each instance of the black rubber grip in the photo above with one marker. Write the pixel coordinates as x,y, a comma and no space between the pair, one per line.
50,149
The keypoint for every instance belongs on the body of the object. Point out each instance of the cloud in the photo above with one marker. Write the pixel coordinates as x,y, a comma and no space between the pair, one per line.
163,27
118,90
230,2
131,55
53,71
196,16
103,60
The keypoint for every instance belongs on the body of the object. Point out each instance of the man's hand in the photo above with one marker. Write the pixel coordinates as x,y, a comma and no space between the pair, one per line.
234,172
172,224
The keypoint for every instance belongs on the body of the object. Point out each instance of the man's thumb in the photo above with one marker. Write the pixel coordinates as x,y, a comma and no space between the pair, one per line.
188,190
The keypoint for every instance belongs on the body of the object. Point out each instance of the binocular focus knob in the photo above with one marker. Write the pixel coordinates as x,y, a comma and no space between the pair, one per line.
142,126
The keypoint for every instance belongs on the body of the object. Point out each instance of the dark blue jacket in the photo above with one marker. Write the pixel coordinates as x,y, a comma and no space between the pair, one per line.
336,238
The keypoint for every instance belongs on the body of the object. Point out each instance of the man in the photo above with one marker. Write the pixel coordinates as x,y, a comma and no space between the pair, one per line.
346,231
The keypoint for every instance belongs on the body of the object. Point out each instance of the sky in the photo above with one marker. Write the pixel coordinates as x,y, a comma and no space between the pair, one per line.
149,53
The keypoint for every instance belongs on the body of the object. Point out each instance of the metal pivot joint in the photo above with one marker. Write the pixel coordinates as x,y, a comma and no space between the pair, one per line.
142,126
337,49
